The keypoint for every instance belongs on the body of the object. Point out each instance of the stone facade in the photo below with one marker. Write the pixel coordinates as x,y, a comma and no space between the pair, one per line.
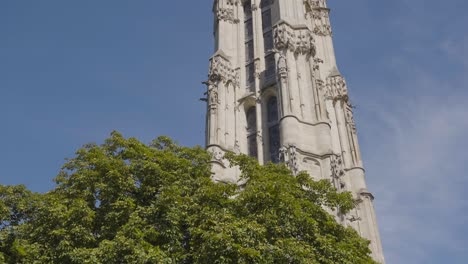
274,92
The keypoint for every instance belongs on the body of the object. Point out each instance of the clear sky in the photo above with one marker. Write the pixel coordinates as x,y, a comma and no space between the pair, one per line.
73,71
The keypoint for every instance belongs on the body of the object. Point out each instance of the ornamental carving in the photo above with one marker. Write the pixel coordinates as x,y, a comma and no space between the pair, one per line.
226,14
337,171
316,3
323,30
354,218
365,195
317,63
282,68
289,156
297,40
257,71
283,36
221,70
320,84
305,43
318,12
217,154
350,119
336,88
213,99
237,149
337,167
227,2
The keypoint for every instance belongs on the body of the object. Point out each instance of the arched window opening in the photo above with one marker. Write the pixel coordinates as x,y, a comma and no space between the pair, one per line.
251,117
273,129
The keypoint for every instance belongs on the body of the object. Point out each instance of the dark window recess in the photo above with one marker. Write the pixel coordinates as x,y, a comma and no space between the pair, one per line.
250,73
274,134
251,117
273,129
248,9
268,41
249,51
266,3
248,24
248,29
272,106
251,120
252,139
266,19
270,66
249,45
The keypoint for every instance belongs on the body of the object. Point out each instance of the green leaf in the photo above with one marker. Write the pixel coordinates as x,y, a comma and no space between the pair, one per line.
129,202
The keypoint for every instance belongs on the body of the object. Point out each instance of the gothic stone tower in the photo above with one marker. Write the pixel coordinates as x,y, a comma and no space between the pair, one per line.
275,93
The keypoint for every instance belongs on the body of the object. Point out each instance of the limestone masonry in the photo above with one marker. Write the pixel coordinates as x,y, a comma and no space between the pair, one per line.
275,93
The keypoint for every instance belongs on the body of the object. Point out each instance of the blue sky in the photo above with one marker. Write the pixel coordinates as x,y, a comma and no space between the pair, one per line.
73,71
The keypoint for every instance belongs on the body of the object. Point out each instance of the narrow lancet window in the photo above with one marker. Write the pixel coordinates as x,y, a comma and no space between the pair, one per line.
249,45
273,129
251,116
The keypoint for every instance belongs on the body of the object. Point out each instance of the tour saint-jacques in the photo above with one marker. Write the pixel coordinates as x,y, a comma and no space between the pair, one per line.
274,92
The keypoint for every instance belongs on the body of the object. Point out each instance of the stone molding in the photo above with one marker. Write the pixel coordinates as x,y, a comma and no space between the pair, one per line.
367,194
299,40
316,3
350,118
226,14
224,10
221,70
217,155
319,13
303,122
336,88
282,68
323,30
289,156
213,100
337,166
338,171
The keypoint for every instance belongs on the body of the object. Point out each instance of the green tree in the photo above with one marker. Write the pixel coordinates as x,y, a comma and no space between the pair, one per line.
127,202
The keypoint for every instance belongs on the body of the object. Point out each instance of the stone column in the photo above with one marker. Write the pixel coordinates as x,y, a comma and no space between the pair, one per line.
258,109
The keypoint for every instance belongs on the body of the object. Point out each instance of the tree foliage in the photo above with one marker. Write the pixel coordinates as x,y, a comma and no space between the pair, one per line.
127,202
